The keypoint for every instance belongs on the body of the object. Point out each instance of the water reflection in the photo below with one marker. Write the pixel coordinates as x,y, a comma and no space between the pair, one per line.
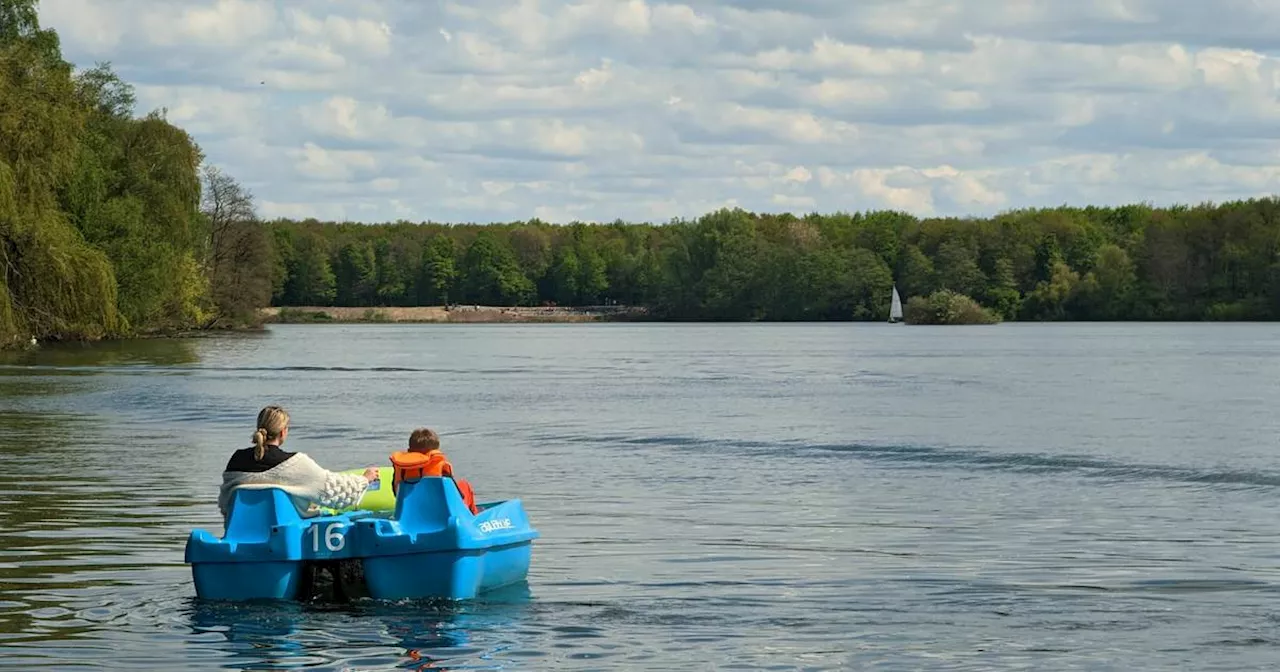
87,522
66,369
146,352
259,634
367,634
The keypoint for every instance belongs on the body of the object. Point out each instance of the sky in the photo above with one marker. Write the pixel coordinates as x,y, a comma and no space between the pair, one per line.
596,110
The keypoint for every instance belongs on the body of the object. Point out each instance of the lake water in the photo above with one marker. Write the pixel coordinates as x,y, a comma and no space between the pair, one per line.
709,496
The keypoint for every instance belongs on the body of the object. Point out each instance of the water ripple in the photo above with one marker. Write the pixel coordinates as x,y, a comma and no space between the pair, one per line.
710,497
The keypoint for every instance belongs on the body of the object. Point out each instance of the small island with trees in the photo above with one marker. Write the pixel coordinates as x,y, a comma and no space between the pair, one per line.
113,225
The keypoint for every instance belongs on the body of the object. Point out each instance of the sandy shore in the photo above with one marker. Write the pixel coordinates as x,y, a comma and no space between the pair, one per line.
462,314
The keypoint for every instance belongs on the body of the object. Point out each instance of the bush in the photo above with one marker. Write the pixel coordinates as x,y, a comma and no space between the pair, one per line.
1237,311
947,307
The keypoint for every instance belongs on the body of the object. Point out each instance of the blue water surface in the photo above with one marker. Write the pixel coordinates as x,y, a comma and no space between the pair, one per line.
709,496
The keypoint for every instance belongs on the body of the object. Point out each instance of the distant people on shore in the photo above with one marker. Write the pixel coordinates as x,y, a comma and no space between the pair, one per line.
266,465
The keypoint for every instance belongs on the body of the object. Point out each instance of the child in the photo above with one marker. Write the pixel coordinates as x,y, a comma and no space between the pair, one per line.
424,459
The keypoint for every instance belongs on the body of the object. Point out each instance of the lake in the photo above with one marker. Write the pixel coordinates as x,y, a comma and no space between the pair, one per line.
781,497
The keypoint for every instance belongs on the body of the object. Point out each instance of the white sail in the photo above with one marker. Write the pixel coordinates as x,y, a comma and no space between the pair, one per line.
895,308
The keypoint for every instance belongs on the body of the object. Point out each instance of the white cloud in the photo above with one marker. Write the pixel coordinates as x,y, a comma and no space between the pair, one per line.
385,185
647,109
594,78
302,210
798,174
204,110
318,163
225,23
347,118
792,203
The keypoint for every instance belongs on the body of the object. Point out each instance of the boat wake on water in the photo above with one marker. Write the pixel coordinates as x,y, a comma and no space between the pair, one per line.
954,458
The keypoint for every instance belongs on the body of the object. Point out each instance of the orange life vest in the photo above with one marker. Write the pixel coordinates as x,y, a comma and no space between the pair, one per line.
410,465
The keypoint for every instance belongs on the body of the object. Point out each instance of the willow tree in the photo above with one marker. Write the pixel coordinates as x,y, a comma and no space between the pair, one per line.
53,283
135,195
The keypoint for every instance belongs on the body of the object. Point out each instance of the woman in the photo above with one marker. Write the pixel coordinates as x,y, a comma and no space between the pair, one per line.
265,465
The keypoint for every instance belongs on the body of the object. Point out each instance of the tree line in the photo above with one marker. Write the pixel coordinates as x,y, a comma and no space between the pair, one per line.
111,224
1134,262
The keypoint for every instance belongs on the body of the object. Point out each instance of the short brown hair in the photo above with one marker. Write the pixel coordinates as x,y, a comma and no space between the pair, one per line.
424,439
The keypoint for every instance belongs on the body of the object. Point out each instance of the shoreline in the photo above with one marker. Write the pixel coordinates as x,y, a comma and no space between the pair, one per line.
471,314
458,314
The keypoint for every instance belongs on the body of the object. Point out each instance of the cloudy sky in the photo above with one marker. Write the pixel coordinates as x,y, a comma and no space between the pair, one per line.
499,110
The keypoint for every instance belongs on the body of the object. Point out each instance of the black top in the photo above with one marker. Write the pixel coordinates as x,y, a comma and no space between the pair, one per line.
242,460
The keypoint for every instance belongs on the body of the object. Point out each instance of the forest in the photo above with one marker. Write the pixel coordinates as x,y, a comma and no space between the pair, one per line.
1134,262
114,225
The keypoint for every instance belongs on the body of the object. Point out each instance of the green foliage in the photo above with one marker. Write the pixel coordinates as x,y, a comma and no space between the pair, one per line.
439,271
859,283
395,263
357,274
1132,262
58,285
1051,298
309,277
107,96
917,273
189,303
946,307
100,229
491,275
957,267
55,284
1002,292
1108,290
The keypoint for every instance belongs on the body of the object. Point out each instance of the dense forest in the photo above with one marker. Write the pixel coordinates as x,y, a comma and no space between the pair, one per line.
110,224
1208,262
113,225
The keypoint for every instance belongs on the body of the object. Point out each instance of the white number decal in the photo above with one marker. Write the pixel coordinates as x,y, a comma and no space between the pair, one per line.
329,537
334,540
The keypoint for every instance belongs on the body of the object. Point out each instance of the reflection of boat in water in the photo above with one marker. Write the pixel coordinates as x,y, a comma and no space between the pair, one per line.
430,546
284,635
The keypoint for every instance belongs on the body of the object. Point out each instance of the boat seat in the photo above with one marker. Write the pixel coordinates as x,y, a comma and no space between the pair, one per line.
255,511
428,503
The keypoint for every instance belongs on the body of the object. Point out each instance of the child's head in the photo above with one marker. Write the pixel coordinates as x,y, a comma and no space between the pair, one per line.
424,440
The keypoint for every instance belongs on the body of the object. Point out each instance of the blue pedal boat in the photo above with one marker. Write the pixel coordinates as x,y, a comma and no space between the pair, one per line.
432,546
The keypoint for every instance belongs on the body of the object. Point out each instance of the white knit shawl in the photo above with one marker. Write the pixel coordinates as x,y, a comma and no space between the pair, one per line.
309,485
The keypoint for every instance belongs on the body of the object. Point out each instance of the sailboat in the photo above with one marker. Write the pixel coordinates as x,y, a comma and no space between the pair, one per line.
895,308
